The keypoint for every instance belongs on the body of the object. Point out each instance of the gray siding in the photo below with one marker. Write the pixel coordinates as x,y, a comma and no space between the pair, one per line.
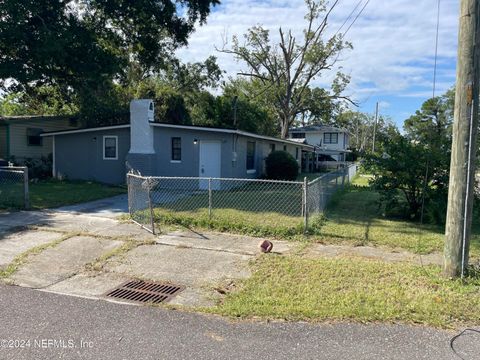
189,165
3,142
80,156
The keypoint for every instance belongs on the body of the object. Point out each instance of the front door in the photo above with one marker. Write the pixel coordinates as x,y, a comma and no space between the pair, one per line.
209,164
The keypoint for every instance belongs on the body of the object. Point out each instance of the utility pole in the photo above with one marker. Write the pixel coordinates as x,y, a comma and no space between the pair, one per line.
375,128
462,167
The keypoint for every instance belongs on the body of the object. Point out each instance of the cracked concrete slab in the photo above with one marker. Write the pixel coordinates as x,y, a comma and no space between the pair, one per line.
198,269
97,226
222,242
15,244
88,284
185,266
62,261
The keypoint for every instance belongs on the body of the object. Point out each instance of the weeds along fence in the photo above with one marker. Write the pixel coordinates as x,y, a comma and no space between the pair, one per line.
252,206
14,192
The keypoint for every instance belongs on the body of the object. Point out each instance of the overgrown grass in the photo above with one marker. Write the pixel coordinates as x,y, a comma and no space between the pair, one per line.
54,193
354,218
295,288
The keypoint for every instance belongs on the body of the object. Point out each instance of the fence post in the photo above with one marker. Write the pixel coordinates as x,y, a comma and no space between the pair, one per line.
209,198
150,205
305,205
26,194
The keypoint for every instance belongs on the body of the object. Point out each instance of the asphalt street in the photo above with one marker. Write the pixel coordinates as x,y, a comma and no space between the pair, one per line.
41,325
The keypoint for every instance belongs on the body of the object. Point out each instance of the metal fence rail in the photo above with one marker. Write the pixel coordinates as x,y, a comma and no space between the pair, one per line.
14,192
267,202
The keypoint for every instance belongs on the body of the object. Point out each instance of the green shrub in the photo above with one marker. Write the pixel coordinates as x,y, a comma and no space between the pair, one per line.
39,168
280,165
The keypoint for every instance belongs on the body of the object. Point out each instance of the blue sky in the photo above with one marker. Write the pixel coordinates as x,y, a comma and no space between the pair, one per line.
394,45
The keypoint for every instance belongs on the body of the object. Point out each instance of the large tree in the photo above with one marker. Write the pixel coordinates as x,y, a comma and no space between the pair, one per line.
417,162
361,126
84,45
286,69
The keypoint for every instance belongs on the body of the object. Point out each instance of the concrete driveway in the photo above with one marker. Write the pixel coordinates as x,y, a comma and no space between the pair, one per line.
84,250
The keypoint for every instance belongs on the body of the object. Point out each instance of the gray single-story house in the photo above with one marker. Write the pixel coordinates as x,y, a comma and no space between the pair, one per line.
106,154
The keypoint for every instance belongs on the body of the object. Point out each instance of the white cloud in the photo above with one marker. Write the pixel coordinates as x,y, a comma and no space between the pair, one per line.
393,41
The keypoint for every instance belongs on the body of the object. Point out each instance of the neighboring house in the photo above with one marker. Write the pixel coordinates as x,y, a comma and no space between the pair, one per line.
331,143
105,154
20,135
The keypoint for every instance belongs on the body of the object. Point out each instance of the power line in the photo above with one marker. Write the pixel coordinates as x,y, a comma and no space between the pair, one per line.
349,17
354,20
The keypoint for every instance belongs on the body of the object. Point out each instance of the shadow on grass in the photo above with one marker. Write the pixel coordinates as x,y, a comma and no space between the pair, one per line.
354,216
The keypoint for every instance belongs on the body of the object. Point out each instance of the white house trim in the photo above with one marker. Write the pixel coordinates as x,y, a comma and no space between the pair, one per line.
66,132
173,126
105,137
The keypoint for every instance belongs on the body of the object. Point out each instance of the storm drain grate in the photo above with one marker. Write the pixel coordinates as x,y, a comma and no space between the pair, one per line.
145,291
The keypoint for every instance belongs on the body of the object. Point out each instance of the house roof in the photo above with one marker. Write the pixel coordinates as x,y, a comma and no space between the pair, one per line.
320,150
317,128
189,127
5,120
299,140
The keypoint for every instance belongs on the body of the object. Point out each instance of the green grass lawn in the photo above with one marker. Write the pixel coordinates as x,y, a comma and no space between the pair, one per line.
354,218
295,288
53,193
259,209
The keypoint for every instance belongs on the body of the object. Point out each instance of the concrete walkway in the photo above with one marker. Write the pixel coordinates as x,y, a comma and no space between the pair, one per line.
109,208
84,250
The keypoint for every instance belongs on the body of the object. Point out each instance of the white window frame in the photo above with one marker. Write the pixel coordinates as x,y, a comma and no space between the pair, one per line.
330,138
171,150
105,137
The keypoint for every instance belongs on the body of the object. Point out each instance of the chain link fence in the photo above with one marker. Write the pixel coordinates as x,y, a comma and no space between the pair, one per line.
14,191
232,201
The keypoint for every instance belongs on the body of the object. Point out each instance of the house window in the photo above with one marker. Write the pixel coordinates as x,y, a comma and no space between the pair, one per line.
296,153
330,138
250,155
33,137
176,149
272,147
284,147
298,135
110,147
